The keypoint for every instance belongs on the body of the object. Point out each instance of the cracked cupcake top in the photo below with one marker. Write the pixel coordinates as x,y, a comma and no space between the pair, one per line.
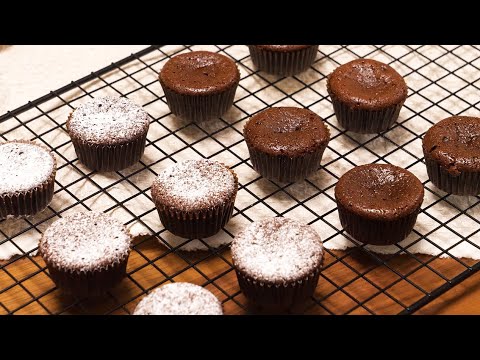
455,144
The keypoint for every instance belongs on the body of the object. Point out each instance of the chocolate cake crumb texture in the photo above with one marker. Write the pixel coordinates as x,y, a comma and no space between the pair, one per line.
108,120
85,241
277,250
24,166
179,299
195,184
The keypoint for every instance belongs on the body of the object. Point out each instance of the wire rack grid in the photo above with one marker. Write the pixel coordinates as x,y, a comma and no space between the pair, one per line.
443,80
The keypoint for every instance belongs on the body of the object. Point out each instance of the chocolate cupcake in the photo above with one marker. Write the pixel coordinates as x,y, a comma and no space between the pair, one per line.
27,178
277,261
179,299
86,253
195,198
286,144
283,60
452,155
367,95
378,203
109,133
199,85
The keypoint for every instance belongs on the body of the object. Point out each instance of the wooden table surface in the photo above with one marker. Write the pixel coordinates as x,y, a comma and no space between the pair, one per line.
460,300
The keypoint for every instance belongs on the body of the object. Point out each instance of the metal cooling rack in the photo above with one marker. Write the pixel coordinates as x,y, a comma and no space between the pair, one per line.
443,80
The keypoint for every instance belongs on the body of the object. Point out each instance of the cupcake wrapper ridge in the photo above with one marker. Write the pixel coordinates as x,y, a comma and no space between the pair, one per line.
283,63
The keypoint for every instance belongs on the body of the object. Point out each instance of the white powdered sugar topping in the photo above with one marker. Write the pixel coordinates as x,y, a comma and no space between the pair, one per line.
24,166
277,250
108,120
194,184
179,299
85,241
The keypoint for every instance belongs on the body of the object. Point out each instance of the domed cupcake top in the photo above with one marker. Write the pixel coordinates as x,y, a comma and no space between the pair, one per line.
85,241
179,299
24,166
277,250
199,72
367,84
455,143
108,121
194,185
380,191
286,131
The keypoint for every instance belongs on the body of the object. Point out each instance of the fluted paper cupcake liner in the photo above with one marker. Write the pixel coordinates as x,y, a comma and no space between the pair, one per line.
196,224
466,183
198,108
365,121
91,283
376,232
30,202
283,63
110,157
283,168
278,297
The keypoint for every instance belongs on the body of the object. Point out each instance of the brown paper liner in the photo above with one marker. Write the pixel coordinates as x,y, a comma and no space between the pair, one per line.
277,297
90,283
110,157
282,168
31,202
466,183
198,108
197,224
365,121
376,232
281,63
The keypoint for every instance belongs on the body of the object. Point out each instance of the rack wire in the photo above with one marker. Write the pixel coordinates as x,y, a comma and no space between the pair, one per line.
443,80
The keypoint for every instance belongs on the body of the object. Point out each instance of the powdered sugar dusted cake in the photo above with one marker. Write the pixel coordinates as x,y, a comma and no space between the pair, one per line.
108,133
195,198
27,175
179,299
86,252
278,262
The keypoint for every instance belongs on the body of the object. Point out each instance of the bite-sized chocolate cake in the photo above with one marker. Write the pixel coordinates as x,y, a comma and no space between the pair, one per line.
278,262
27,178
195,198
378,203
199,85
286,144
86,253
452,155
179,299
367,95
108,133
283,60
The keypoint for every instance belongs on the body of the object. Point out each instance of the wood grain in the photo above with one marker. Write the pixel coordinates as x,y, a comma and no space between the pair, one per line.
26,288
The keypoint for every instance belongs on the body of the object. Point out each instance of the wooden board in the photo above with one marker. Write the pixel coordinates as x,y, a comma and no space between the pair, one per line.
30,290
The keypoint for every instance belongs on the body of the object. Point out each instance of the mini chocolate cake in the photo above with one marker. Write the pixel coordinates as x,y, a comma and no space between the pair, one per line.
86,253
179,299
27,178
452,155
195,198
378,203
278,262
367,95
283,60
199,85
109,133
286,144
